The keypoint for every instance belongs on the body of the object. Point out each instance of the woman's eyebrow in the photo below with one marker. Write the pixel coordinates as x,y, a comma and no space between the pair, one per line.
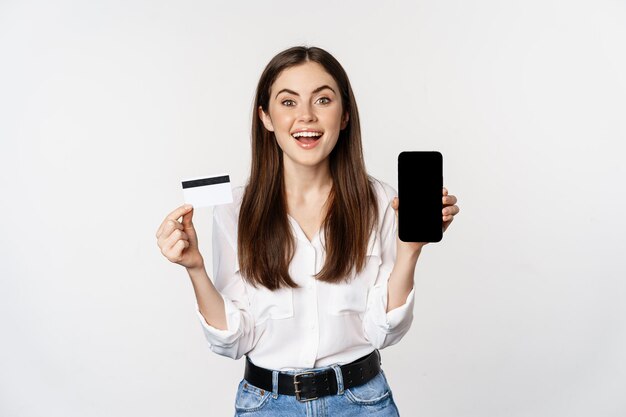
286,90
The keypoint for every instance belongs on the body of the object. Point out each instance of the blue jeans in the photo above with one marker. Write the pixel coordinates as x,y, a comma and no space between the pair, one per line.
374,398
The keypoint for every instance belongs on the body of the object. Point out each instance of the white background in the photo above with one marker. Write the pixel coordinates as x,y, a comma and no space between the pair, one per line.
105,106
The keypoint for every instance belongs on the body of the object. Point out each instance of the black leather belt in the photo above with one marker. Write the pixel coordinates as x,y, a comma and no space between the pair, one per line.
307,386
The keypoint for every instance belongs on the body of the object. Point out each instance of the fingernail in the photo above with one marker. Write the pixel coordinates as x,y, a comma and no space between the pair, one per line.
188,206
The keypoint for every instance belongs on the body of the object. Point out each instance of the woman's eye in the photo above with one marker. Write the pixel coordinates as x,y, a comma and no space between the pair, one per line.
327,100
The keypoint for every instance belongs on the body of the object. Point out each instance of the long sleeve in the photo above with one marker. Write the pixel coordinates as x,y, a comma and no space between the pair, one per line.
238,338
384,329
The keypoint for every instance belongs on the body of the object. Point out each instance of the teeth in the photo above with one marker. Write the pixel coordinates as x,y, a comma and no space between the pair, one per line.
306,134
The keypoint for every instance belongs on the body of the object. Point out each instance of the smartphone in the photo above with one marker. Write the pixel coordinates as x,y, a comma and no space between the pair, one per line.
420,186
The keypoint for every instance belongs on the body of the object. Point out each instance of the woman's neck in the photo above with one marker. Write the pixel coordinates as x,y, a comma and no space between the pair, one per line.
303,183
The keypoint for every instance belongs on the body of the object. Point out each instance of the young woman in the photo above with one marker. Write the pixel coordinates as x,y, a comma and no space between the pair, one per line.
310,278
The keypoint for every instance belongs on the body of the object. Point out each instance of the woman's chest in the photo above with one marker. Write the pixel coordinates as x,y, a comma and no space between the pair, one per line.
309,219
315,298
308,211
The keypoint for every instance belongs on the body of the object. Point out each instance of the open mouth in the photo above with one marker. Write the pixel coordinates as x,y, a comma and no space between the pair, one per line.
307,138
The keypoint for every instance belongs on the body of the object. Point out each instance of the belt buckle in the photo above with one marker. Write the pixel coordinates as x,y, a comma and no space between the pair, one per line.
296,382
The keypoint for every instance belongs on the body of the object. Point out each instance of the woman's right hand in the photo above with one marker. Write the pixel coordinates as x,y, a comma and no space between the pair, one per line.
179,242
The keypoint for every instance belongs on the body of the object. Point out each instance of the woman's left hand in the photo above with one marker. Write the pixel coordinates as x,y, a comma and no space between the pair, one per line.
448,212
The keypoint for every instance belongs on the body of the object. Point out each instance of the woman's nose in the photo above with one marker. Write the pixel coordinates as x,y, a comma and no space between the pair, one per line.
306,113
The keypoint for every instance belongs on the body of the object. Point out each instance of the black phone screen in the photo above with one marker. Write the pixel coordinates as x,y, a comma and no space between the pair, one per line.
420,184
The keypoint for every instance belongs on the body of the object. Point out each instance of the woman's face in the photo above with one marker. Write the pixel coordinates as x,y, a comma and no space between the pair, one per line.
305,98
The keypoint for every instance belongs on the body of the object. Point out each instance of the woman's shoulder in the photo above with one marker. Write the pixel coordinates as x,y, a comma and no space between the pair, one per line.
228,214
384,191
385,194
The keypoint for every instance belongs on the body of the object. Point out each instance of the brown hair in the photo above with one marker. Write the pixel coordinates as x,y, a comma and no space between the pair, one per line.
265,243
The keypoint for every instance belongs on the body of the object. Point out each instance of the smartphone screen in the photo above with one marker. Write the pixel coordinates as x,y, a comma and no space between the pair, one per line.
420,185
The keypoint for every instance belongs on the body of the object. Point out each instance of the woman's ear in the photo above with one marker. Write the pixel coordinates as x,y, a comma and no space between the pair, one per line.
344,122
266,119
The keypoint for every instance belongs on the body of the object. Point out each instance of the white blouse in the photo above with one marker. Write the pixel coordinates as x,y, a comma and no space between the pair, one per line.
318,324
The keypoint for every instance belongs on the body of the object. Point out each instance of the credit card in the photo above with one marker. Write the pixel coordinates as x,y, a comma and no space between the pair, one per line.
208,191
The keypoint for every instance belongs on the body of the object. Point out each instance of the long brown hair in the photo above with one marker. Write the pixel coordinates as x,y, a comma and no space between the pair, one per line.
265,243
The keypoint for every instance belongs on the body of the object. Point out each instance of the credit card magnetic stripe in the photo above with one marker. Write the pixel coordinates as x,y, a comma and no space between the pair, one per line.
206,181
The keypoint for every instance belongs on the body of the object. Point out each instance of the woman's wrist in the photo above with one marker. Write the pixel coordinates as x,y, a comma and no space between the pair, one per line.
197,270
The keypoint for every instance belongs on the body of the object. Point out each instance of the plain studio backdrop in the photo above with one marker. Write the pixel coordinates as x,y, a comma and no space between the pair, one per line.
106,105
